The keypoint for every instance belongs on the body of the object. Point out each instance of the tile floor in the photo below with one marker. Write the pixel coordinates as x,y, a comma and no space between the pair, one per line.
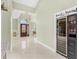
34,51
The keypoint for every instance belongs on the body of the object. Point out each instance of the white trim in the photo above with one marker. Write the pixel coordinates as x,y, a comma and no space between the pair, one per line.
49,48
64,12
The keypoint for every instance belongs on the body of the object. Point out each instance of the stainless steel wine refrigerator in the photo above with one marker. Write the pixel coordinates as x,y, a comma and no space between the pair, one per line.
66,34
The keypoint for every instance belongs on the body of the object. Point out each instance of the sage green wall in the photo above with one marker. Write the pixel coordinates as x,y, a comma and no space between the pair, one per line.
6,29
46,29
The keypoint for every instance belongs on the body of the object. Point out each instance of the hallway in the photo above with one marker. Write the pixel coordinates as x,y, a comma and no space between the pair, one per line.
34,51
38,29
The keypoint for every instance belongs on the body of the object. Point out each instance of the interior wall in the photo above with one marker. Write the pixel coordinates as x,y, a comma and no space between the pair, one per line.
6,29
14,28
46,29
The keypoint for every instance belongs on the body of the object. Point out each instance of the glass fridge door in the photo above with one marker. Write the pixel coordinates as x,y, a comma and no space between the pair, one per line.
61,37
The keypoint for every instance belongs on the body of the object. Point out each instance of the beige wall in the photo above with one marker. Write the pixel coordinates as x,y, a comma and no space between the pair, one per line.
46,29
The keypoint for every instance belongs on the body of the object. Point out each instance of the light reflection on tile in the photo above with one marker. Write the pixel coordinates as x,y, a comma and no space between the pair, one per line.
34,51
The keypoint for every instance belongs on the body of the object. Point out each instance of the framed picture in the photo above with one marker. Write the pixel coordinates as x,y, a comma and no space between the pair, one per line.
24,30
4,5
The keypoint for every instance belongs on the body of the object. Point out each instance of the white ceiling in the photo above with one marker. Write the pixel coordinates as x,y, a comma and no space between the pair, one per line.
16,13
30,3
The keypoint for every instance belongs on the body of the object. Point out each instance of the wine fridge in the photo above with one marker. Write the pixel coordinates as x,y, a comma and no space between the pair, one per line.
66,34
61,36
72,36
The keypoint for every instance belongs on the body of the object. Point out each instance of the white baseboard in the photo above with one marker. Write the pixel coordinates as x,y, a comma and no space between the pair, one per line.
49,48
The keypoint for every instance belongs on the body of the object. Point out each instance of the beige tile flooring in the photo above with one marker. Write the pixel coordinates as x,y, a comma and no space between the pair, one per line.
34,51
